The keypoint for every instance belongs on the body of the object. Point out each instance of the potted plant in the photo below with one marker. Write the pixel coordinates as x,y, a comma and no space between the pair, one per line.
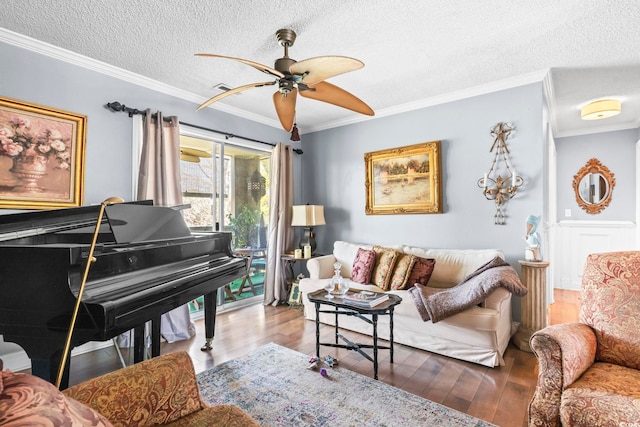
245,225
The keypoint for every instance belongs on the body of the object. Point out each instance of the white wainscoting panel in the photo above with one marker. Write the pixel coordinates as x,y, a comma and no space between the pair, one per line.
577,239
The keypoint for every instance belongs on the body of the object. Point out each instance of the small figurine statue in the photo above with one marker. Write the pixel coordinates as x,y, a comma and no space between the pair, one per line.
315,363
330,361
532,252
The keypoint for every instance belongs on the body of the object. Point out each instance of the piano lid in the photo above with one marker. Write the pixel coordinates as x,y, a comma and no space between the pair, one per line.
140,223
130,222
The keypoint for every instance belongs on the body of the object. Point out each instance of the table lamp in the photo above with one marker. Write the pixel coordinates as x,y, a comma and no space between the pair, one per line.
308,216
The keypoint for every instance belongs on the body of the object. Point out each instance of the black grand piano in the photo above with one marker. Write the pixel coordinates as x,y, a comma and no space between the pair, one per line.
147,263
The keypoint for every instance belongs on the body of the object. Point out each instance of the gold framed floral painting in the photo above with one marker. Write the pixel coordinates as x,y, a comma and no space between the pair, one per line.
42,155
404,180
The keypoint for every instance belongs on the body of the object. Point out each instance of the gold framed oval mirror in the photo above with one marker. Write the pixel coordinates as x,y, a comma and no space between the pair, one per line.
593,185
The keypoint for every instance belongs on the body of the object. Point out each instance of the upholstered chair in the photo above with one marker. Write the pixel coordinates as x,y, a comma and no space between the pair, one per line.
158,391
589,371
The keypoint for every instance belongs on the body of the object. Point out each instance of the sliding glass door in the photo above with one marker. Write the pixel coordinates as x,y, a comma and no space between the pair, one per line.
227,187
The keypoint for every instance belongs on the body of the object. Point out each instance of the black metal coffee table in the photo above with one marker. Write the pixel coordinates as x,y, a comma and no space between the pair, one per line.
344,308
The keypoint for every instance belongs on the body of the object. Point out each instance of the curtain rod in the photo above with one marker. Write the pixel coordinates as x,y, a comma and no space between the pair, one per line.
116,106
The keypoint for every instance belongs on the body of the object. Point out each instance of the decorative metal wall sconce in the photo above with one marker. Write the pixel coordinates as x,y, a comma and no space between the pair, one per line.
494,185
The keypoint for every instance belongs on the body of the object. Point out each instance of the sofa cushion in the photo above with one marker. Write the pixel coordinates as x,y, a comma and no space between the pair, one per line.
421,271
363,266
610,296
402,271
605,395
217,416
453,265
385,261
345,253
28,400
155,391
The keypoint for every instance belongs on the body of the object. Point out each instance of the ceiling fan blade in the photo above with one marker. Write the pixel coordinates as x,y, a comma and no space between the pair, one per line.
320,68
286,108
189,151
255,65
231,92
326,92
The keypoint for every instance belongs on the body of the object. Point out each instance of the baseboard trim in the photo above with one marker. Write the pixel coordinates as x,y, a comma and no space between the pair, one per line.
19,361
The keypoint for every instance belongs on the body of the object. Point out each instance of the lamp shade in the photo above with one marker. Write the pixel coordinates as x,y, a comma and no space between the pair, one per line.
307,215
600,109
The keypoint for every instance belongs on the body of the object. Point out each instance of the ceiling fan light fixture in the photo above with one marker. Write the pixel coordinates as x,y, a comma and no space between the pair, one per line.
601,109
285,87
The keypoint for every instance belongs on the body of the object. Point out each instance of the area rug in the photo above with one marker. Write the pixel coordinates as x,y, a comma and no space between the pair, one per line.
274,386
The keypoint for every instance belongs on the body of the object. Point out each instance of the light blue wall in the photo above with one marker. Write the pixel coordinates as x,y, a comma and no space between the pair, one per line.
333,174
615,150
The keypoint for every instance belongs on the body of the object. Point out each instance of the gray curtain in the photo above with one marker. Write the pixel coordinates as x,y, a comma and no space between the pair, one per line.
280,230
159,180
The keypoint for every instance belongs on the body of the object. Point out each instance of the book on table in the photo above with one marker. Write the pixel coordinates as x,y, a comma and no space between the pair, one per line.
364,298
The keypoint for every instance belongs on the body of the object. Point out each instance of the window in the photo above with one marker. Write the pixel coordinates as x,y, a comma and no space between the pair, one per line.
207,166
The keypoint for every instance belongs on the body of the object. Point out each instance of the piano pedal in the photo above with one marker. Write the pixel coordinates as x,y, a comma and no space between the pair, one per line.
207,345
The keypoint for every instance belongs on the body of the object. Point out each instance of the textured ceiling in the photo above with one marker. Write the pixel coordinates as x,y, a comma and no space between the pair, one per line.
416,52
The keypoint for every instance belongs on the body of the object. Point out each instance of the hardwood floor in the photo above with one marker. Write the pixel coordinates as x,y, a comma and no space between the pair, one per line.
499,395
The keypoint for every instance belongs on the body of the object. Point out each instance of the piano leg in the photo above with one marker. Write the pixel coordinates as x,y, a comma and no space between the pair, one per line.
155,336
138,343
209,319
47,369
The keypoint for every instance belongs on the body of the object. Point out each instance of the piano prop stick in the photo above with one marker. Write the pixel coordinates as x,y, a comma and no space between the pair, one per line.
90,260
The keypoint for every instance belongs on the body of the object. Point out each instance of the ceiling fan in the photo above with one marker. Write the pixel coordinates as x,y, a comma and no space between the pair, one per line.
306,77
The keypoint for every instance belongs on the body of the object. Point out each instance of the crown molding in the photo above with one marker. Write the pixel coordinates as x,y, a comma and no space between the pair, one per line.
37,46
70,57
597,129
55,52
509,83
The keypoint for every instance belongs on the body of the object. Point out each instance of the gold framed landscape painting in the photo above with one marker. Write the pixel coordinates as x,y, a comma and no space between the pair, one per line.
404,180
42,155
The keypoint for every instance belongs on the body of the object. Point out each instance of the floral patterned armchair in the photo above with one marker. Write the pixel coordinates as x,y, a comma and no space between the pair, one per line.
158,391
589,372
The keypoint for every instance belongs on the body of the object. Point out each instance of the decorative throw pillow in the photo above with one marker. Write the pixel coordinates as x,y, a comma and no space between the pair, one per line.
421,272
385,261
401,272
29,400
363,266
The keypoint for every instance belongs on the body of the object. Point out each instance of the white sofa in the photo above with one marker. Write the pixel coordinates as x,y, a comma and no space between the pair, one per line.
479,334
